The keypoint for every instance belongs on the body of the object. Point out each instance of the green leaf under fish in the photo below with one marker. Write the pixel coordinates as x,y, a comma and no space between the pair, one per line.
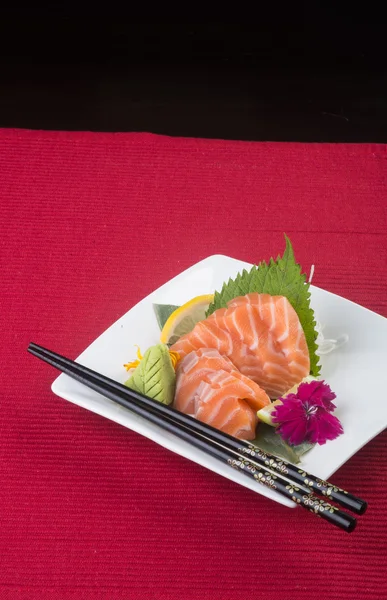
269,441
155,376
163,312
282,277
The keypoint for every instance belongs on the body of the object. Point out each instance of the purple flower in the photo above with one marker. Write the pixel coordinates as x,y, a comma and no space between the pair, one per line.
317,392
306,415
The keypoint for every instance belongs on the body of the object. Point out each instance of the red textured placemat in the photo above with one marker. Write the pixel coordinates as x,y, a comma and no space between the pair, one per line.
90,223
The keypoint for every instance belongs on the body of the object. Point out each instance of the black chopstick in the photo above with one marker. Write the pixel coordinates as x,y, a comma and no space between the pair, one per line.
258,457
202,436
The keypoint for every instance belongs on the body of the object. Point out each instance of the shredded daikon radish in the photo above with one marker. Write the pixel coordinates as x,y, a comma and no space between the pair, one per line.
327,345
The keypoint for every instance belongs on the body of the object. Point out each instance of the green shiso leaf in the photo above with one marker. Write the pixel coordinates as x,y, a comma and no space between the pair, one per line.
271,442
163,312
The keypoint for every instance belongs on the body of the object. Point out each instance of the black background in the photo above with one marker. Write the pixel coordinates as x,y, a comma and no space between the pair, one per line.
319,77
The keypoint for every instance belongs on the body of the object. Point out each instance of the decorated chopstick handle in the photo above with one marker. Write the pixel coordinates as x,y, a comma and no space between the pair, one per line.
316,505
306,480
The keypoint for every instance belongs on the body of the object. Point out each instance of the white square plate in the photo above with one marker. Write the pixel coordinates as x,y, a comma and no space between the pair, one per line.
355,371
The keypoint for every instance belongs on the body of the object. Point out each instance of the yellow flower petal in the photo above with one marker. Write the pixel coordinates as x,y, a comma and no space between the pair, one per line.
175,357
134,363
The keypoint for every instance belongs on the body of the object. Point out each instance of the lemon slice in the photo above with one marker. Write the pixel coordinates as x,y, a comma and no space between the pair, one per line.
184,318
264,414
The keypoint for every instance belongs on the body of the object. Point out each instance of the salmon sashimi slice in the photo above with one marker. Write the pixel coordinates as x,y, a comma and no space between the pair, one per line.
225,411
191,370
261,335
210,388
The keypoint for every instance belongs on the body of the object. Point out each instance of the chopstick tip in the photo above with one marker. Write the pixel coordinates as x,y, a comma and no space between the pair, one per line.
352,525
32,346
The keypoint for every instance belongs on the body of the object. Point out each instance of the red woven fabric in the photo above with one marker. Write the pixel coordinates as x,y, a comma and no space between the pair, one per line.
91,223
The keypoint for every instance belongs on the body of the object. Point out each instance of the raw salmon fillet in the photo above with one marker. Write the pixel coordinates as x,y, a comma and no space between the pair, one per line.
261,335
210,388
